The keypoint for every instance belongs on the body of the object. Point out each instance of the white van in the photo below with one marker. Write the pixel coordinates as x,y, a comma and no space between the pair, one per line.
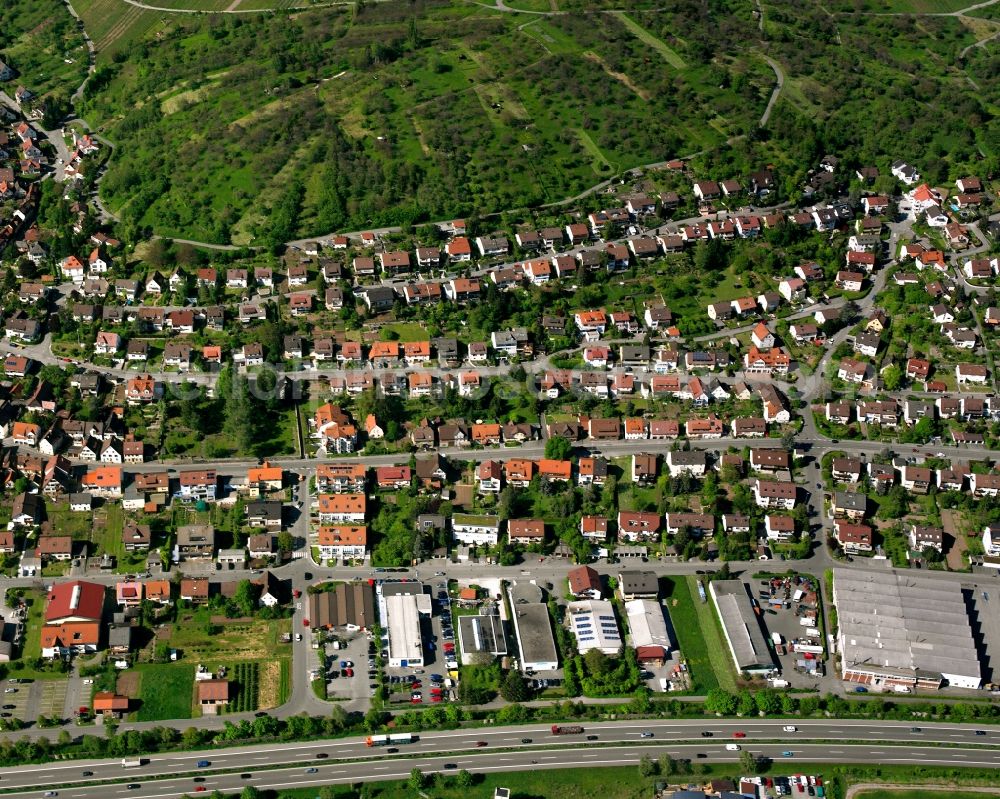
732,747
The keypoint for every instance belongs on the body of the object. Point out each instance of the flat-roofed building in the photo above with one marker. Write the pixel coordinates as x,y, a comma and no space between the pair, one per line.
741,627
902,630
406,646
594,624
533,631
648,626
481,635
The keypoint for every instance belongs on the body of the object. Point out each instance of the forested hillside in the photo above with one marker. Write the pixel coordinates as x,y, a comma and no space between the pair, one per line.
258,129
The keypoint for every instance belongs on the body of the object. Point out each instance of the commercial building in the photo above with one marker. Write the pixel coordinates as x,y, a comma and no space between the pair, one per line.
741,627
901,630
479,635
349,605
406,646
533,629
648,627
594,624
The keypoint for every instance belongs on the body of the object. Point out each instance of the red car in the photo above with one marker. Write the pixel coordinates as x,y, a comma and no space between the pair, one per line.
348,672
435,697
199,789
305,622
416,700
739,735
449,647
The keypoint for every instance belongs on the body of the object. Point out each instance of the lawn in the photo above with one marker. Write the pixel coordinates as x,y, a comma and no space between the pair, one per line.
698,636
924,793
408,331
585,783
166,691
65,522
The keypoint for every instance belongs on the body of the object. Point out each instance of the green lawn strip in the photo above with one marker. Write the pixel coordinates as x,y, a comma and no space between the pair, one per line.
602,165
687,627
165,691
624,782
285,686
711,629
643,35
923,793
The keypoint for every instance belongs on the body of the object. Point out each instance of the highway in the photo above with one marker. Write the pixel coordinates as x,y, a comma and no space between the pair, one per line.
592,756
509,748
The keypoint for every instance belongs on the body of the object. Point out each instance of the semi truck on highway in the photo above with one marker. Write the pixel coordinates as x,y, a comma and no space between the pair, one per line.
389,740
574,730
133,762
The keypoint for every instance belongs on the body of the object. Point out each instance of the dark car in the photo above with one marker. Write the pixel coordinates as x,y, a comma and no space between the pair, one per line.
707,734
591,737
87,774
133,786
392,750
980,732
199,779
914,729
450,765
701,755
246,776
526,740
9,707
322,755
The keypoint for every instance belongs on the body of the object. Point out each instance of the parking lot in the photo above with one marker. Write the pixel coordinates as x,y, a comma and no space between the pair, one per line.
784,616
429,682
27,701
347,667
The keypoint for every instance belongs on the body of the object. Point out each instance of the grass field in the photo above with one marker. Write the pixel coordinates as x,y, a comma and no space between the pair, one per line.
166,691
691,639
925,793
584,783
408,331
200,639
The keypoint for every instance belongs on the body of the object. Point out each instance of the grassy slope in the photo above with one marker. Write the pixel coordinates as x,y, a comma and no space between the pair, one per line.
38,38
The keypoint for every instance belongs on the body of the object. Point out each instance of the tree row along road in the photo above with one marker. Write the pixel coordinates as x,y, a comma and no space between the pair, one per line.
952,744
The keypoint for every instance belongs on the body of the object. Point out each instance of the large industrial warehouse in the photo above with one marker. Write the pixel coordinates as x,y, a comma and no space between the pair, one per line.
741,627
900,630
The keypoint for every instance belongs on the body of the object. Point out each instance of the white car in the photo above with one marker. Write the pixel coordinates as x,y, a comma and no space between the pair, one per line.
790,728
88,681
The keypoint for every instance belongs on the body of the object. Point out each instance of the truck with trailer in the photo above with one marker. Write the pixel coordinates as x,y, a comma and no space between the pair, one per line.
390,740
571,730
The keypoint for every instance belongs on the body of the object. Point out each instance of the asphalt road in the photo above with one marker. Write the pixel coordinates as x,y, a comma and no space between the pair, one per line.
285,764
592,756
